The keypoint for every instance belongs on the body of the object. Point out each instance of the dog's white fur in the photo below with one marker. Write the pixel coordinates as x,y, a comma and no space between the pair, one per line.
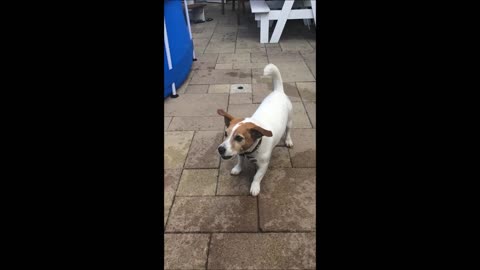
273,114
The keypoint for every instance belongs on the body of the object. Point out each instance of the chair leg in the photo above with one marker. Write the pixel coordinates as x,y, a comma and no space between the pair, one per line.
223,7
243,5
233,5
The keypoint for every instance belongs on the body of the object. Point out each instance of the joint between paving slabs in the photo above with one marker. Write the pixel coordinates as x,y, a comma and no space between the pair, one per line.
208,250
175,195
173,201
252,232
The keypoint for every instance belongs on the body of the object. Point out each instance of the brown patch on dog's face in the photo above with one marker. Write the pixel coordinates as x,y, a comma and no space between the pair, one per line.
243,137
246,134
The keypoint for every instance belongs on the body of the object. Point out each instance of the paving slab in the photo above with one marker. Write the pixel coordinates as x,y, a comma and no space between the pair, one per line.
235,184
308,90
197,89
205,105
213,214
207,57
257,76
241,98
308,55
300,118
224,66
294,72
230,58
296,45
262,251
220,76
262,90
219,89
248,65
284,57
241,88
240,184
303,152
198,182
312,65
202,65
287,200
185,251
224,37
200,42
259,58
176,148
311,108
166,122
280,158
251,50
245,43
170,183
203,151
197,123
242,110
220,47
274,50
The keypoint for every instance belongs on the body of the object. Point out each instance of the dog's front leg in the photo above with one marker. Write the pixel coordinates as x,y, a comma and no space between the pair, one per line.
261,170
238,168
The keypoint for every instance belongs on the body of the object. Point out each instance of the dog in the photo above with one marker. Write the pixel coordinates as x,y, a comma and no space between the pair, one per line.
255,137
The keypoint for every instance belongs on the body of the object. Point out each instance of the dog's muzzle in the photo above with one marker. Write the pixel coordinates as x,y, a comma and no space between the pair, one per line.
221,151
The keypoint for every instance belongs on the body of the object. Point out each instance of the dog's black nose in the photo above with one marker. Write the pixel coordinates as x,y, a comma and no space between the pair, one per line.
221,150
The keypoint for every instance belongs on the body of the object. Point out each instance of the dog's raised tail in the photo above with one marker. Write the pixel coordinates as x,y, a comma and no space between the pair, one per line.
272,70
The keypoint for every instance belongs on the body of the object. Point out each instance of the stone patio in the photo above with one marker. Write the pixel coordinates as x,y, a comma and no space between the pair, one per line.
210,220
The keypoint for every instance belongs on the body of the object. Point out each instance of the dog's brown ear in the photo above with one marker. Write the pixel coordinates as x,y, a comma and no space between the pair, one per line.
257,132
228,117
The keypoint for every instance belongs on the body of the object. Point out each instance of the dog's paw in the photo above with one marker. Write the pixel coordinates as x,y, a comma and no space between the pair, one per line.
236,170
289,143
255,189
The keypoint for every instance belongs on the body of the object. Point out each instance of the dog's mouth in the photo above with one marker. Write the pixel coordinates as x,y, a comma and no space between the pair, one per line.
226,157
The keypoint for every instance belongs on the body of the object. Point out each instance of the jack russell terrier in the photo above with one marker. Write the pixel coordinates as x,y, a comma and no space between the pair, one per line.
255,137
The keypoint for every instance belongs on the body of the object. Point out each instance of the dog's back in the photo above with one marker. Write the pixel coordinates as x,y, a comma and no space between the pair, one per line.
276,107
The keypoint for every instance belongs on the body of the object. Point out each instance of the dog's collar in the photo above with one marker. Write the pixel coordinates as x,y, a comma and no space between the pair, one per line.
254,149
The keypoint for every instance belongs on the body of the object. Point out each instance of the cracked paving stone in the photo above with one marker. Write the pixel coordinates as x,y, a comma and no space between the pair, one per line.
176,148
203,151
213,214
287,200
303,152
262,251
185,251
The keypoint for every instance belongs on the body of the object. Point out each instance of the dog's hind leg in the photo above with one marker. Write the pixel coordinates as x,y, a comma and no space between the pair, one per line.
288,138
238,168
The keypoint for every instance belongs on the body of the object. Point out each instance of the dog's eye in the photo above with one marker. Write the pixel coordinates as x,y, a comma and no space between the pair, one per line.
226,134
238,138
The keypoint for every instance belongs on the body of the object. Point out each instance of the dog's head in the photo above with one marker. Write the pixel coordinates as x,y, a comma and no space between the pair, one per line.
239,135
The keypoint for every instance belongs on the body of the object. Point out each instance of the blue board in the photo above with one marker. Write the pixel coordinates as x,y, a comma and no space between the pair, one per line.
181,46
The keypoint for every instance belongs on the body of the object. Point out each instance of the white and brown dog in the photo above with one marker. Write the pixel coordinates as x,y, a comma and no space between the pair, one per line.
255,137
